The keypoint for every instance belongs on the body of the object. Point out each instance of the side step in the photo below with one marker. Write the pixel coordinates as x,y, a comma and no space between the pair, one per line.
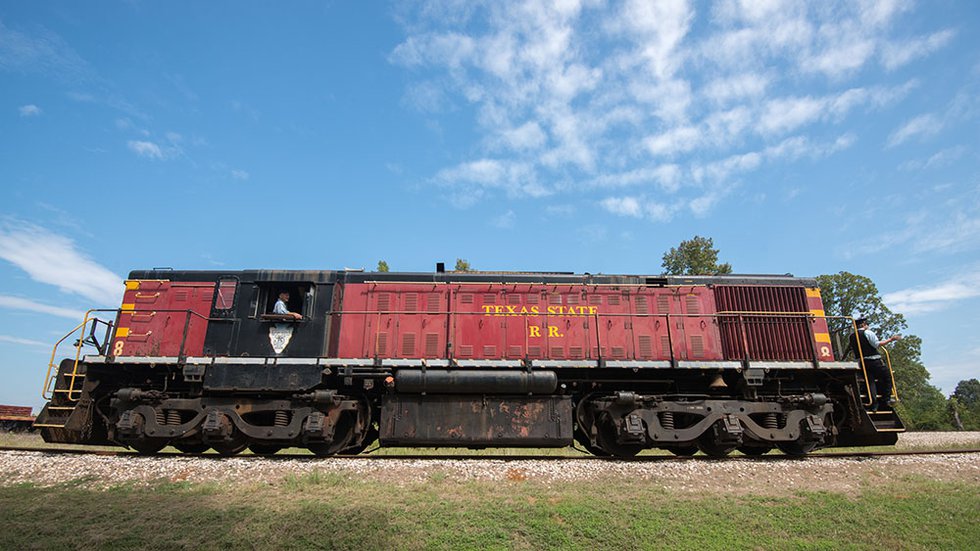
886,421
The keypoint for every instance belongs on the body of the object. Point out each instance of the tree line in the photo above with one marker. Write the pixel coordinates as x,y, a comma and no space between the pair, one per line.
921,404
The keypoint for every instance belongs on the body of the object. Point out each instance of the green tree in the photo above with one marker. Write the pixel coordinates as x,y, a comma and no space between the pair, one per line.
922,405
847,294
463,266
382,266
696,256
965,402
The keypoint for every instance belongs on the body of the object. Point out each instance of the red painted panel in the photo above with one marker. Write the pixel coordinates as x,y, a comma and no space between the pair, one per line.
701,339
154,317
393,320
651,320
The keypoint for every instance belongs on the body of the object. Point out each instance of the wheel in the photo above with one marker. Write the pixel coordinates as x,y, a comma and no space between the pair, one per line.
195,447
264,449
370,437
707,444
342,435
607,439
796,447
147,446
233,446
755,451
584,441
683,451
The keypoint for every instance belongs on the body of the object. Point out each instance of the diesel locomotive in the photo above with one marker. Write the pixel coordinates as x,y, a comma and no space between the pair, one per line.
616,364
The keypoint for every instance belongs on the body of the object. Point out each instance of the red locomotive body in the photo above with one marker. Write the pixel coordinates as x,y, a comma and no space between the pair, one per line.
618,364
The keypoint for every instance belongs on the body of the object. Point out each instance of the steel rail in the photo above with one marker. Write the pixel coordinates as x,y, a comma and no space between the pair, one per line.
506,458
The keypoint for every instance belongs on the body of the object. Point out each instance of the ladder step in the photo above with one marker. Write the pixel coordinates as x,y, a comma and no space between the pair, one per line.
49,426
62,408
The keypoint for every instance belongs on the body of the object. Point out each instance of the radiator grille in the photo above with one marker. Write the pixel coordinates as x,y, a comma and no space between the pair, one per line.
770,337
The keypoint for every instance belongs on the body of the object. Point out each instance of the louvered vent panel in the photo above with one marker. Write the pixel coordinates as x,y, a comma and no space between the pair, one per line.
618,352
534,351
575,352
408,345
466,298
663,304
489,350
665,344
557,352
432,303
697,346
513,299
532,299
466,350
384,302
514,351
693,304
489,299
431,344
411,302
572,299
554,299
595,300
646,346
613,300
641,305
381,344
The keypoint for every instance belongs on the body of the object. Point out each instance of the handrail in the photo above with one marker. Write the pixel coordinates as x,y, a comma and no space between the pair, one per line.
47,392
891,372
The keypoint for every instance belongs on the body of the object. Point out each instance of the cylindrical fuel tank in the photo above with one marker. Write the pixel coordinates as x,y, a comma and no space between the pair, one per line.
479,381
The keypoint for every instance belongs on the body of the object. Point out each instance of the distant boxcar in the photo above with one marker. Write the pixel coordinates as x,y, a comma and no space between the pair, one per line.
16,418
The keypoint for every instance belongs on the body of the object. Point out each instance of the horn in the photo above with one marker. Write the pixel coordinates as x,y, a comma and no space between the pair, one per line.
718,381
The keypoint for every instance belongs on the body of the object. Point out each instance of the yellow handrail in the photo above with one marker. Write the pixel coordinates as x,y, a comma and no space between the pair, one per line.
891,373
46,391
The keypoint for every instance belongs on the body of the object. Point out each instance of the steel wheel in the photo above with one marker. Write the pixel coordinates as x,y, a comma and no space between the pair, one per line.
708,445
147,446
683,451
264,449
196,447
797,447
607,439
755,451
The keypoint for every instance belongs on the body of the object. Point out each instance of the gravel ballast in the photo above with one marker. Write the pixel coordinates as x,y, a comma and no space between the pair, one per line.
735,475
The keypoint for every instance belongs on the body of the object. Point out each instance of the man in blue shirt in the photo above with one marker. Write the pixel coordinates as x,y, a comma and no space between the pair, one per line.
879,378
281,308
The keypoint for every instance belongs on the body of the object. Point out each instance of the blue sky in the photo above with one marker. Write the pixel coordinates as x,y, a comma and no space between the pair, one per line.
585,136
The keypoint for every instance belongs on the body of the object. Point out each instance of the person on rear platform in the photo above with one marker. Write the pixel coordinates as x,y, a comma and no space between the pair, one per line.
283,310
879,378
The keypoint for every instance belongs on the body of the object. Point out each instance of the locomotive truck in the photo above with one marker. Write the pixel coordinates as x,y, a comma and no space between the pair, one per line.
615,363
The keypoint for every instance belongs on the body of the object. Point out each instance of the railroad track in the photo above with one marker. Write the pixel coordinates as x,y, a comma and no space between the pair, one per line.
370,457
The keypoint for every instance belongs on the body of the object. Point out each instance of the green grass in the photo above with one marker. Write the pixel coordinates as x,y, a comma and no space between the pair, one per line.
323,510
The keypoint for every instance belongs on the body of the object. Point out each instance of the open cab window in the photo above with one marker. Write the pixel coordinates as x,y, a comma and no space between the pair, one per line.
300,301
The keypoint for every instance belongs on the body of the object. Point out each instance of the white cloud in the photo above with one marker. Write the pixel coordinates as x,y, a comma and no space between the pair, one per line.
680,139
25,342
577,96
623,206
55,260
18,303
938,160
921,126
896,54
29,110
505,221
149,150
239,174
918,300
